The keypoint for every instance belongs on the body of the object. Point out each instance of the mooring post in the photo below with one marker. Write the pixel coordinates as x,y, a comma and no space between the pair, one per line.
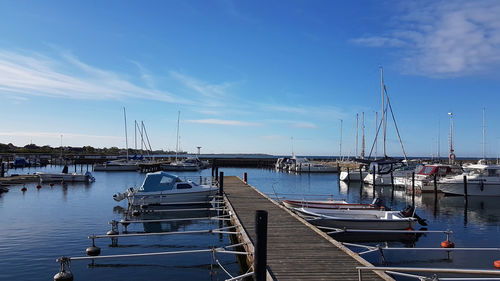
260,255
374,174
216,173
360,176
435,186
348,176
465,187
413,189
221,183
2,171
245,177
392,180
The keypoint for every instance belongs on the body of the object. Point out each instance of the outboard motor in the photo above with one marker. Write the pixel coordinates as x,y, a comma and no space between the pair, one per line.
377,202
410,212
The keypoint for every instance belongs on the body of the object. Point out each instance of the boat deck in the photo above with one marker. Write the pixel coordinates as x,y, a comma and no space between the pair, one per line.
296,250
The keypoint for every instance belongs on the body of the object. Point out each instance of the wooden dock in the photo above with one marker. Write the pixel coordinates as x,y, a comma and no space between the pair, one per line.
296,250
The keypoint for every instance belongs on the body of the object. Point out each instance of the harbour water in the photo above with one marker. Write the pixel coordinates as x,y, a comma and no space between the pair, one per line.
38,226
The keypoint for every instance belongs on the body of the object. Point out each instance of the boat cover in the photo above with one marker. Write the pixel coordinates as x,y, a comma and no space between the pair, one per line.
159,181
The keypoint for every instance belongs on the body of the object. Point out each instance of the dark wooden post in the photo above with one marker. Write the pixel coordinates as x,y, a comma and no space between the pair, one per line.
360,176
245,177
392,181
260,255
435,185
348,176
413,189
2,171
221,183
465,187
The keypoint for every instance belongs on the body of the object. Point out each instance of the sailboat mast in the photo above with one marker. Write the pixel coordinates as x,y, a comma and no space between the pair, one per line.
484,137
376,128
340,150
126,138
439,140
177,142
452,155
362,135
383,107
357,130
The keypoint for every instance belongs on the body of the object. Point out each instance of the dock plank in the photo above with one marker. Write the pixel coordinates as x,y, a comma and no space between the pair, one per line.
295,249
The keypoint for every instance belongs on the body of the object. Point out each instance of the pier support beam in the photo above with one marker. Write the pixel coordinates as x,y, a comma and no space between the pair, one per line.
221,183
260,262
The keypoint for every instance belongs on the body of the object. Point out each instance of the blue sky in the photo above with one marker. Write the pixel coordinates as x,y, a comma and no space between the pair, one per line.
247,76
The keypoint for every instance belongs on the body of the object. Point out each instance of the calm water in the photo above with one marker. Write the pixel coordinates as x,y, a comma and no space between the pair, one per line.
39,226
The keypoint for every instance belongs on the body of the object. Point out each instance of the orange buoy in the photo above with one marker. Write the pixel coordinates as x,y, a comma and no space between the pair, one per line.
51,184
447,244
38,186
496,264
410,229
24,189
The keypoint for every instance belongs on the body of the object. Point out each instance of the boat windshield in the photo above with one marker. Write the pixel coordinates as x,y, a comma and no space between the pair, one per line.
427,170
158,182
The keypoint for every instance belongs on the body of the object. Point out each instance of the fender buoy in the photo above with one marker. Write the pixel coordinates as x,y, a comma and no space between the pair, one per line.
38,186
24,189
497,264
447,244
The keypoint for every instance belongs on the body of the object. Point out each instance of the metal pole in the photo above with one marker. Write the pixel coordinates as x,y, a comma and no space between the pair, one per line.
374,173
260,262
245,177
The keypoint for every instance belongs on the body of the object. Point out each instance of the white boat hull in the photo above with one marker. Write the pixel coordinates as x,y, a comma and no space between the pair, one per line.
152,198
352,175
474,188
44,177
353,223
117,168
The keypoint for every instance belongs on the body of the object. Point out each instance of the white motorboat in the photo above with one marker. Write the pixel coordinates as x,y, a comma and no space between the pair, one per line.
424,179
65,177
180,166
359,219
482,180
310,167
117,165
163,188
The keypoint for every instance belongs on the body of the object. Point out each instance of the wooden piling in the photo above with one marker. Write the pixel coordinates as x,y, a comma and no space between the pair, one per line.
348,176
435,185
465,187
260,261
221,183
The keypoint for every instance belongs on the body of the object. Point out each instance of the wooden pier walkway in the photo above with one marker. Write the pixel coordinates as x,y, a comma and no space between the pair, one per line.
296,250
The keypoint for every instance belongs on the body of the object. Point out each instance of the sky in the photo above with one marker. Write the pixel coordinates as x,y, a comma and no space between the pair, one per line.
271,77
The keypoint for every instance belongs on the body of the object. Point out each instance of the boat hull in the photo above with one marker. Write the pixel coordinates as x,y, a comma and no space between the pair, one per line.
474,188
116,168
64,177
158,198
352,176
368,224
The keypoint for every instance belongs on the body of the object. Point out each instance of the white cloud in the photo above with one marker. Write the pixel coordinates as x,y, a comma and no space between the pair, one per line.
444,38
68,77
223,122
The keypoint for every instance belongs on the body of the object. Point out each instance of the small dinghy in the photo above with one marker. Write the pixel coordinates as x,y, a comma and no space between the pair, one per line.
331,204
362,218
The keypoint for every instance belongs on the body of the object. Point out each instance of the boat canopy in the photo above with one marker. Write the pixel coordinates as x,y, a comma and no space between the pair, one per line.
159,181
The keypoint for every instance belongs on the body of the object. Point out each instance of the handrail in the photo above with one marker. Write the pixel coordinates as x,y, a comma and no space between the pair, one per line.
425,269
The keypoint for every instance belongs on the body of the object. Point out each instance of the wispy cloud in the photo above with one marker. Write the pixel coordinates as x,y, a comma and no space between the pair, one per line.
223,122
201,87
444,38
296,124
56,135
65,76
